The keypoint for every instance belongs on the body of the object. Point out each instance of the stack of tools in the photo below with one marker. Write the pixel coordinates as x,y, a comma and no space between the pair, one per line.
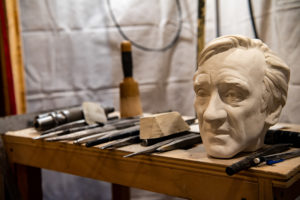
186,140
158,139
81,132
93,113
165,132
270,154
283,137
277,149
126,131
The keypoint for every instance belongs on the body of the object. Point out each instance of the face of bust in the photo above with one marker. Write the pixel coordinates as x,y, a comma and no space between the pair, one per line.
229,101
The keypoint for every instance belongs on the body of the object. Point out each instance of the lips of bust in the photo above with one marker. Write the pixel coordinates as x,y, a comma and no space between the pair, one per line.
218,137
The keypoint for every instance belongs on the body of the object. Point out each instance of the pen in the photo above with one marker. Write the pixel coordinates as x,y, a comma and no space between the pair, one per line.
279,157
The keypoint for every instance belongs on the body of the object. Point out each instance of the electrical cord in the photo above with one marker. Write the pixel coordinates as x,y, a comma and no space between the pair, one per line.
168,46
252,19
218,19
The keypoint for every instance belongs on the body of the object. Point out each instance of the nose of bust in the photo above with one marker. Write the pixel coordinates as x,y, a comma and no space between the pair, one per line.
215,112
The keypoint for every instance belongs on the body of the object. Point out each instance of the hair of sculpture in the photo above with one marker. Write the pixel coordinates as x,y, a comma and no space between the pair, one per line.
277,73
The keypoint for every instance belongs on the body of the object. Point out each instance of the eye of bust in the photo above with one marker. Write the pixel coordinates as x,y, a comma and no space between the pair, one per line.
233,95
201,92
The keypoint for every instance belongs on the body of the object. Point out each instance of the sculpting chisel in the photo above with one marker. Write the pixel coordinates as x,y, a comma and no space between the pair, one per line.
67,131
181,143
153,148
108,127
65,126
135,130
92,137
122,142
97,136
150,149
69,128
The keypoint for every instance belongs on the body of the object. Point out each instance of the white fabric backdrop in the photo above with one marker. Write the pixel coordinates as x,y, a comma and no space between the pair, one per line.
72,52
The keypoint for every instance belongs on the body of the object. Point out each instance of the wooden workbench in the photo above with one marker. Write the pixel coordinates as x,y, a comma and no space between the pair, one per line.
184,173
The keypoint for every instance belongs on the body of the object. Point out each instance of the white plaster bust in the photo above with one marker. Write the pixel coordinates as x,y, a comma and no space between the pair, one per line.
241,87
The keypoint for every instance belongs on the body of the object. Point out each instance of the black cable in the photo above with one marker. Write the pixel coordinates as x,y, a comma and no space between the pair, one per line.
252,19
217,19
171,44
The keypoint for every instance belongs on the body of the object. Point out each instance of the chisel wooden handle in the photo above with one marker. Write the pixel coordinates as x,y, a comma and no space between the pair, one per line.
130,104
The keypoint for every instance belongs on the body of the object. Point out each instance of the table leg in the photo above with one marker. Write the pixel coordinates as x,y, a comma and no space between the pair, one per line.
120,192
289,193
265,189
1,187
29,181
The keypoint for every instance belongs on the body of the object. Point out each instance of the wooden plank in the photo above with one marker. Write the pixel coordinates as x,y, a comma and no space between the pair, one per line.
15,48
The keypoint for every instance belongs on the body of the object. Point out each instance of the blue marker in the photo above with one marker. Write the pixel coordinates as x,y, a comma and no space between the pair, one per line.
279,157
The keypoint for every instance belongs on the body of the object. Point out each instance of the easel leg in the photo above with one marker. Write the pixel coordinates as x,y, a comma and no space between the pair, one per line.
120,192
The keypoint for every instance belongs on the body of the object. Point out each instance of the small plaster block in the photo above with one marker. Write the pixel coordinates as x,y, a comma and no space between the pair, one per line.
93,113
163,124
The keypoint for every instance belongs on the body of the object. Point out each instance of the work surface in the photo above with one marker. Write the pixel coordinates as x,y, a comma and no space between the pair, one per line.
183,173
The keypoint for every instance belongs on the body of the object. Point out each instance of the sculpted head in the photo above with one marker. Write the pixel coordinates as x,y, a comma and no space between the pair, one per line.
241,87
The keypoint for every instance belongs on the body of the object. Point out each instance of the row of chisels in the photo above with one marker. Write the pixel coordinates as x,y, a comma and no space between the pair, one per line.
118,133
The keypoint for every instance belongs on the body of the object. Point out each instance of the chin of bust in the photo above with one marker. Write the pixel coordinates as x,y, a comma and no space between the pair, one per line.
229,152
221,154
222,151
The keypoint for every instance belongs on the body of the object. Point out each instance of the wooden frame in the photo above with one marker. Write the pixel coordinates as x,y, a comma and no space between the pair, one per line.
12,59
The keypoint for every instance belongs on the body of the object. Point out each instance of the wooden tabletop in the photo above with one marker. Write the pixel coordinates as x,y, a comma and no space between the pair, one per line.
173,168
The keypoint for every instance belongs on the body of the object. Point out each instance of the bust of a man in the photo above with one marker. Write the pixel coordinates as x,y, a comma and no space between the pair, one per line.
241,87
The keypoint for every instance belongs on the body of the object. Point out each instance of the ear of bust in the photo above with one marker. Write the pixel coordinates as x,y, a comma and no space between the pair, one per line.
273,116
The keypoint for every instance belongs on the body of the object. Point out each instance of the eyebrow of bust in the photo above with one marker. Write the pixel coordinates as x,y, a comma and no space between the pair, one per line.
235,82
201,79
